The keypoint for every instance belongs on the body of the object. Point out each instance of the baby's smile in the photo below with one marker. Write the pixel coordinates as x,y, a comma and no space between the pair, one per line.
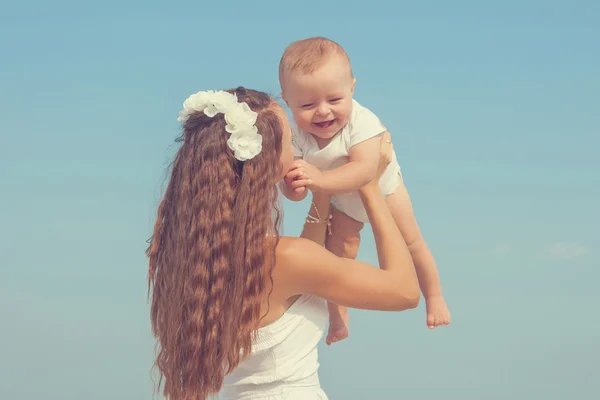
324,124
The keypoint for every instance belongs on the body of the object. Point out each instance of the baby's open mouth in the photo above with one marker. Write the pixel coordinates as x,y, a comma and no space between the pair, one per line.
325,124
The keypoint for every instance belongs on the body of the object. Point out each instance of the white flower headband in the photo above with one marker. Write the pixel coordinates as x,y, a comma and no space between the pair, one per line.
245,141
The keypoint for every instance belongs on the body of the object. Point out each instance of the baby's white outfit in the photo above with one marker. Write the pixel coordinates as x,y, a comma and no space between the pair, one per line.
362,125
284,361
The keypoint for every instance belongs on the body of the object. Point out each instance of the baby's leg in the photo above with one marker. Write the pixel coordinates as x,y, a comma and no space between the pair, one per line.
343,242
401,209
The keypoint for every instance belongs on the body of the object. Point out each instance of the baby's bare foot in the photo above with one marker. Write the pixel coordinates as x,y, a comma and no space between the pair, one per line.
437,312
338,326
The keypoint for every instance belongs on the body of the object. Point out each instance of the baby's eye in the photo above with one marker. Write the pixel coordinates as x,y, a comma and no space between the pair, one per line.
306,105
337,99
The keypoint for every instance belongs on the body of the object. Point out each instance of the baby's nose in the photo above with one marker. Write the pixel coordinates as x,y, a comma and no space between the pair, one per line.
323,109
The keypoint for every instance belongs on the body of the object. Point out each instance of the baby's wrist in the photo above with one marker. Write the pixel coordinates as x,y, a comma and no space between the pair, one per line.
296,196
320,185
287,190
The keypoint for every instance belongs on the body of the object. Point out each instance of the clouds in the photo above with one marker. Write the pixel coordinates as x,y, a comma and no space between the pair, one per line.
567,250
560,251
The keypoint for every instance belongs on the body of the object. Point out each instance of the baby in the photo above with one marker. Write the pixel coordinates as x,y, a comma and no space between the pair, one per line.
337,147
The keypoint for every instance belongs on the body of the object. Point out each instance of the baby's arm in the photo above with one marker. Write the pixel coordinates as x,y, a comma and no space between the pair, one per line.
360,169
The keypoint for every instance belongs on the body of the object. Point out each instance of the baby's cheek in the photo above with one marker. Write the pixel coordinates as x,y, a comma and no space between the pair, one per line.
346,113
304,121
345,119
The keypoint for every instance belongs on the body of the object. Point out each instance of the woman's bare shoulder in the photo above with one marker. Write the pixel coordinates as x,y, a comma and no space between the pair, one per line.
289,247
299,263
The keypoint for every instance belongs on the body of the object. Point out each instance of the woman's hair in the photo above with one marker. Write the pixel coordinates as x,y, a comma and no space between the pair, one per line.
212,251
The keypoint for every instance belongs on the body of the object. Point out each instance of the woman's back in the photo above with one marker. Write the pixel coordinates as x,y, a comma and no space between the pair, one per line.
284,359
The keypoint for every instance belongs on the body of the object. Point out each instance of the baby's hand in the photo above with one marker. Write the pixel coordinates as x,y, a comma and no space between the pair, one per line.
303,174
437,312
294,193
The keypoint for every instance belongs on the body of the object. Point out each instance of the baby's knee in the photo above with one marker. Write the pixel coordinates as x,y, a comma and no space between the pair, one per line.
343,244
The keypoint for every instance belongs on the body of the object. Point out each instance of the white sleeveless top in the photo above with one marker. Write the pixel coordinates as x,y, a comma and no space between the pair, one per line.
284,361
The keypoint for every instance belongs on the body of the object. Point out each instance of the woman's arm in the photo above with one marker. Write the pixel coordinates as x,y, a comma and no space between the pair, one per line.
316,225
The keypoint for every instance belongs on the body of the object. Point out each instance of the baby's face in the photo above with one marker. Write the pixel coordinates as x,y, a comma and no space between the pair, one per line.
321,102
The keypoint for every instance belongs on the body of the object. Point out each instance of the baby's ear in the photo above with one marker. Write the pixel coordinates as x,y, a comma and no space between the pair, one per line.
353,84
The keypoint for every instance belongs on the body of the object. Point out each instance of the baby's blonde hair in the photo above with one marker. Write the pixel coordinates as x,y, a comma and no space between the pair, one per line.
307,55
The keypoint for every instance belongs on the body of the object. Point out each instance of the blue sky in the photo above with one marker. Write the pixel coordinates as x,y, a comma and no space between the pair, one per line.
495,115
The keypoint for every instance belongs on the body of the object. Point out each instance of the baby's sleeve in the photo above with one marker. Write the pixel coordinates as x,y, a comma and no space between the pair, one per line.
298,142
365,125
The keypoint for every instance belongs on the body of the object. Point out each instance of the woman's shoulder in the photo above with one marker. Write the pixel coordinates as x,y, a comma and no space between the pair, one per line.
295,254
288,247
302,261
285,272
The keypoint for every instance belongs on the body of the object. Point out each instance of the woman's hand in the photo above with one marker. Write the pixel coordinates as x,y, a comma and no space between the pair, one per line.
385,157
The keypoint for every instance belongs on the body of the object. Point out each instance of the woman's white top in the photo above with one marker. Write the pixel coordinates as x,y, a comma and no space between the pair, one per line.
284,361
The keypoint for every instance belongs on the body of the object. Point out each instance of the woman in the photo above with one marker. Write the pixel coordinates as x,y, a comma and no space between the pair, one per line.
235,307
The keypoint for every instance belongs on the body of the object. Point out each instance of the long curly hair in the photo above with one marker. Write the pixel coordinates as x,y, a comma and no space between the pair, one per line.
212,251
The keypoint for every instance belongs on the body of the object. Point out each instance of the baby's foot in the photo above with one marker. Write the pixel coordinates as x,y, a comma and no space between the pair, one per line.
338,326
437,312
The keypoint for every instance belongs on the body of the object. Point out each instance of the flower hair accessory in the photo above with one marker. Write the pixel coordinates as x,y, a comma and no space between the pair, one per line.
244,139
